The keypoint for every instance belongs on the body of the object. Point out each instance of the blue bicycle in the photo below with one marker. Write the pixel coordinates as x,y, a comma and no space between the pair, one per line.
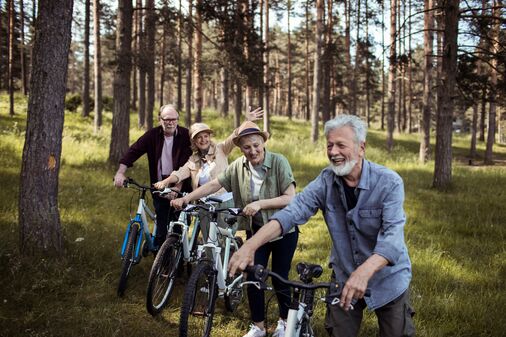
138,240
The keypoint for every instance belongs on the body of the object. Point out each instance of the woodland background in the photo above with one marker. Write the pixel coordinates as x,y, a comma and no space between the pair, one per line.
80,80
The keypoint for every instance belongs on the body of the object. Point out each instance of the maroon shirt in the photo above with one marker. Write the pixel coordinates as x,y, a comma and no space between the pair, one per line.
152,143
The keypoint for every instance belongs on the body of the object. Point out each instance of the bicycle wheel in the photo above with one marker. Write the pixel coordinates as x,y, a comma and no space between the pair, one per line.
163,275
128,258
234,296
198,302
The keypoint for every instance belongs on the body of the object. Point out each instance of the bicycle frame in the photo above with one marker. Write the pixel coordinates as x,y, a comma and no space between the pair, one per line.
141,220
185,228
220,267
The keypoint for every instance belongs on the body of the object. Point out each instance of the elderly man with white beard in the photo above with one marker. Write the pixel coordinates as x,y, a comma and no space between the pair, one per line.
362,204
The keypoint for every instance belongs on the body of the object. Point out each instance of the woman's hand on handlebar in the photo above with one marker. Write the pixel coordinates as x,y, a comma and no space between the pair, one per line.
179,203
160,185
252,208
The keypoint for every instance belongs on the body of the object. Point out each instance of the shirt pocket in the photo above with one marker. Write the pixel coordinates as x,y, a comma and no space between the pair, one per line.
370,221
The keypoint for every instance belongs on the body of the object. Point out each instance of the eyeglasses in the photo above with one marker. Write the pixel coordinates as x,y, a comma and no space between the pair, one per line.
169,120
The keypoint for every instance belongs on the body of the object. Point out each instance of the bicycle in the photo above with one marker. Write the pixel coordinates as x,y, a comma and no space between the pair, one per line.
210,278
178,247
298,323
138,240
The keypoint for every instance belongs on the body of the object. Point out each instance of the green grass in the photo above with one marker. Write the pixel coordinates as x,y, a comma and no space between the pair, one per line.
456,239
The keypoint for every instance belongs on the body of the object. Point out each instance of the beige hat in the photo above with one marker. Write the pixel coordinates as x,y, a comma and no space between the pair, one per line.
196,128
249,128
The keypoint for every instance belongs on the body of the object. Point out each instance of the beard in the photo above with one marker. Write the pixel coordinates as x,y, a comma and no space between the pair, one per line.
343,169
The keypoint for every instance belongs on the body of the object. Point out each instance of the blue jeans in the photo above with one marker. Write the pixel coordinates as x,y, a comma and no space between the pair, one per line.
282,253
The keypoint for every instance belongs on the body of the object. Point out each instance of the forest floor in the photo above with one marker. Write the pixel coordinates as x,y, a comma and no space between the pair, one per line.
455,238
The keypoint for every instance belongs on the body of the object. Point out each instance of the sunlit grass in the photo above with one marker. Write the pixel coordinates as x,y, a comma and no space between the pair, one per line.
455,239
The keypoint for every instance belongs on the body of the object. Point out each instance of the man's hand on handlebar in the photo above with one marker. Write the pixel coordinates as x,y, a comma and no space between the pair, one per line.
119,179
241,259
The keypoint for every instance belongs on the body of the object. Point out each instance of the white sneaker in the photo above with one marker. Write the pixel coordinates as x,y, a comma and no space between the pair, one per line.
280,329
255,331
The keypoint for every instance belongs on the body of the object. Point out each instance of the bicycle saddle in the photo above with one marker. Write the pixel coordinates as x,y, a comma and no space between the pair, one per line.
308,271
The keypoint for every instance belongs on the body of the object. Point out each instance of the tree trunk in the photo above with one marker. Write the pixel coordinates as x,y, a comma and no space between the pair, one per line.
224,92
317,71
368,68
391,76
39,218
97,66
22,49
150,63
483,114
428,39
121,83
11,56
355,74
306,62
289,63
180,60
86,60
410,74
347,57
327,65
382,125
135,55
199,88
238,102
474,125
141,65
446,96
266,80
494,50
163,52
189,64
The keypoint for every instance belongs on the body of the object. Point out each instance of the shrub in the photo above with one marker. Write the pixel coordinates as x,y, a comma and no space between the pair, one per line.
72,102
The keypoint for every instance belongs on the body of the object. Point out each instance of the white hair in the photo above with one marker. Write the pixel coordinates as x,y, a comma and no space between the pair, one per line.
358,126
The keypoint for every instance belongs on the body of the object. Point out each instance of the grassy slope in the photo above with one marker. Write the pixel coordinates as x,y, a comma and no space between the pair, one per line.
456,240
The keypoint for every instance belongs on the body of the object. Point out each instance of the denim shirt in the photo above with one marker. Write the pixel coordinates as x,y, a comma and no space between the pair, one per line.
374,226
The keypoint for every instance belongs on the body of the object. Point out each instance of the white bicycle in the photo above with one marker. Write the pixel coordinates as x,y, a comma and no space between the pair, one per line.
209,279
298,323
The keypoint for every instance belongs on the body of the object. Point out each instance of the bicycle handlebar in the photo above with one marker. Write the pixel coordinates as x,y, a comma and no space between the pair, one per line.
130,181
208,208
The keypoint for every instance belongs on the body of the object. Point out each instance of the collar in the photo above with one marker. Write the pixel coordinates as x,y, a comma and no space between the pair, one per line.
268,158
195,157
163,134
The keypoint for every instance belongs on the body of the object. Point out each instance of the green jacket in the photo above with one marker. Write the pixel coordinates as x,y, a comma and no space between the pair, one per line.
237,179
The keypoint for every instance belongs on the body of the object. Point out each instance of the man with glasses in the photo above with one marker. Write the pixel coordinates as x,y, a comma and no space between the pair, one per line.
168,148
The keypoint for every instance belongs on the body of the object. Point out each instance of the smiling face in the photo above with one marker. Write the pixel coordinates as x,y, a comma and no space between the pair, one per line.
252,147
344,154
202,141
168,120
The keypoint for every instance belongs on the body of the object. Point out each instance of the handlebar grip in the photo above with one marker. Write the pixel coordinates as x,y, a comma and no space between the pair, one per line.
259,272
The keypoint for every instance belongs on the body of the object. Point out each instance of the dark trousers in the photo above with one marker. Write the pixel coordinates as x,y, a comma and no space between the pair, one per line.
164,214
395,319
282,253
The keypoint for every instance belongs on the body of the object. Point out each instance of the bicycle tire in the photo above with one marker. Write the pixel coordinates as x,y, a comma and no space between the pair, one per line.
198,302
128,259
163,275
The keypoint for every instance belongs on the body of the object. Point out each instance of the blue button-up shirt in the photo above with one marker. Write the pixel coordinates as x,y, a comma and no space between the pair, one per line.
374,226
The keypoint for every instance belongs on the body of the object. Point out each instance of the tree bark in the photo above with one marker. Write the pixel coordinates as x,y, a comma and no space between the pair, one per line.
355,73
150,63
199,89
266,80
306,62
238,102
121,83
382,124
474,125
22,50
11,14
39,218
391,76
189,65
224,92
97,66
180,59
327,64
289,62
494,50
446,96
428,39
317,71
141,65
86,60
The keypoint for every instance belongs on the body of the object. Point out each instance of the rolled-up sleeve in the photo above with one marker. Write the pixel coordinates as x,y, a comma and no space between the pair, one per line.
303,206
390,240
